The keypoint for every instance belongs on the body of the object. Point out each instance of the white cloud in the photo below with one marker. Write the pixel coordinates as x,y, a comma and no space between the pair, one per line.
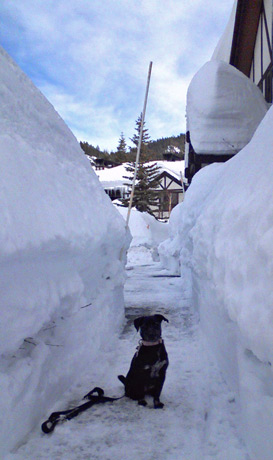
91,58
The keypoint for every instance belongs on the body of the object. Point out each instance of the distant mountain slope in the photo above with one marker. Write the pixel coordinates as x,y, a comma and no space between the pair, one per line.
160,146
157,148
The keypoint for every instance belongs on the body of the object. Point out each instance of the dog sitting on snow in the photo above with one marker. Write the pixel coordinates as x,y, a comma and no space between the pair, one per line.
147,372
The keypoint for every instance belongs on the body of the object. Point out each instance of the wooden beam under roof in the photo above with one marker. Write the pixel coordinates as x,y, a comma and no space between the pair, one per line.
244,35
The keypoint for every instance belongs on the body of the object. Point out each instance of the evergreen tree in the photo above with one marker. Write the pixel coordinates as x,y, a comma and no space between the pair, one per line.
146,191
121,153
93,151
147,178
122,147
144,153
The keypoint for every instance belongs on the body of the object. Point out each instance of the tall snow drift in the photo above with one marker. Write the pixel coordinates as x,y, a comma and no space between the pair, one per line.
224,232
60,242
147,233
224,109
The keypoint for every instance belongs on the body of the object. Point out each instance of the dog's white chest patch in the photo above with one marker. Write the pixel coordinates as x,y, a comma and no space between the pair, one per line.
155,368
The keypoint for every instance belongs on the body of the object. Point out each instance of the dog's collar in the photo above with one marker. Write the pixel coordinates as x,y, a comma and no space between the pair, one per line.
150,344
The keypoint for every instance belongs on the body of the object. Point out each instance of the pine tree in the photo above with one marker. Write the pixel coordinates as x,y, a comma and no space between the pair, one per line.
144,142
147,179
122,147
146,191
121,153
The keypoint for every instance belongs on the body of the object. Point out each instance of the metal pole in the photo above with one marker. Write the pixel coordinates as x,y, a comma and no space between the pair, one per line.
139,145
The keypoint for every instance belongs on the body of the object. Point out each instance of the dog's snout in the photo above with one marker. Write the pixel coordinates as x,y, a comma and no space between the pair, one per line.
150,330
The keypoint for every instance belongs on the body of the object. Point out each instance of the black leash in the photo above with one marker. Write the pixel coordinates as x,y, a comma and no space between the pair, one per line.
62,416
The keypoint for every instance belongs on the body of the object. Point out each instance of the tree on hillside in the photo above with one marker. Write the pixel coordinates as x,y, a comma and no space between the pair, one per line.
122,147
121,153
93,151
160,146
155,149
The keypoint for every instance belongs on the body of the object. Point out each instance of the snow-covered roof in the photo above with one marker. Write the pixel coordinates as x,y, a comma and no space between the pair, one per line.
114,177
174,168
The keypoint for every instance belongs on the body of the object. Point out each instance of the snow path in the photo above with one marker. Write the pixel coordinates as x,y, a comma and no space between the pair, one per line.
199,418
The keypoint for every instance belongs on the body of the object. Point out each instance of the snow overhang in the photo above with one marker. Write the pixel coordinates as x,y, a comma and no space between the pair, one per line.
224,109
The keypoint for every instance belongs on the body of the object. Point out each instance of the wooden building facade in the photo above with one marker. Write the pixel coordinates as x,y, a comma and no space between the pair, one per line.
251,50
170,194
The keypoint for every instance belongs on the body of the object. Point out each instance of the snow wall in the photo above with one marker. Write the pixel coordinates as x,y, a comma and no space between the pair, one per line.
60,245
144,228
147,233
223,232
224,108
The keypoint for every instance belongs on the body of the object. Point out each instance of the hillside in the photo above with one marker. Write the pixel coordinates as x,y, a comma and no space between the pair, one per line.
156,149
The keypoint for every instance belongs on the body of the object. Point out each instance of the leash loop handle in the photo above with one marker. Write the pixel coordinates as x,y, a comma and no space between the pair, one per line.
62,416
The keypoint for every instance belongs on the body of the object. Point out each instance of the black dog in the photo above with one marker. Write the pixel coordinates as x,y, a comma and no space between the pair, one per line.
148,367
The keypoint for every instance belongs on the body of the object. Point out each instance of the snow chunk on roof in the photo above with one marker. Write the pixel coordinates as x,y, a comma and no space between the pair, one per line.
175,168
224,109
112,177
223,48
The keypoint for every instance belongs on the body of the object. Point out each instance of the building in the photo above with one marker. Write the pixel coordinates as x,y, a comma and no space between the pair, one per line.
171,185
171,188
245,47
251,45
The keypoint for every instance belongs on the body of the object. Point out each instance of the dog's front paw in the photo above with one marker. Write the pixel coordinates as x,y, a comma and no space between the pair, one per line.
142,402
158,405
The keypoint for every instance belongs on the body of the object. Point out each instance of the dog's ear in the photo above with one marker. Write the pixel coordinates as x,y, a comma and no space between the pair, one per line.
138,322
160,318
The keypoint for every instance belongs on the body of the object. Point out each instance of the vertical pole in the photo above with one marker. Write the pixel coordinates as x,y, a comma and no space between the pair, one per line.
139,145
182,183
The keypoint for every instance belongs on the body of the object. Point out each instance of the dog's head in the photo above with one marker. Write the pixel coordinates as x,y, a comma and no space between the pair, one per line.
150,327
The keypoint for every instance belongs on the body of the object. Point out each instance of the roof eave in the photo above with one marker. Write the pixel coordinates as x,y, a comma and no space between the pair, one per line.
244,35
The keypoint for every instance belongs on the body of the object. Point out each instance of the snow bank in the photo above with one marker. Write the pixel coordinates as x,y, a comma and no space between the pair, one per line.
147,233
224,109
224,233
60,241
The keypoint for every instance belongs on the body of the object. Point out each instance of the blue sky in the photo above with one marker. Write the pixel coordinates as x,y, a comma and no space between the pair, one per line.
90,58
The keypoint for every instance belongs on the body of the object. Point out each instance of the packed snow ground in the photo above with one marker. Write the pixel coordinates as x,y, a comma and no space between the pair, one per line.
200,416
